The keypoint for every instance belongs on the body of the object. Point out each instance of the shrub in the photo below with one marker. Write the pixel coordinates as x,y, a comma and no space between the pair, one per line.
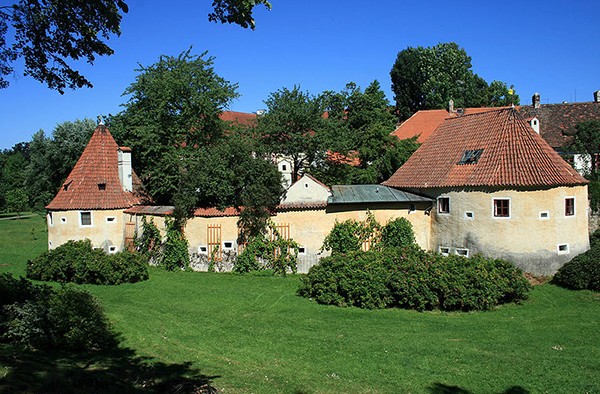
274,253
411,278
40,317
175,253
348,236
397,233
78,262
583,271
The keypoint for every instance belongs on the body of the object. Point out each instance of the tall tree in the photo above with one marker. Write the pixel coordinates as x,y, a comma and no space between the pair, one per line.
428,78
173,108
50,34
587,141
291,126
359,125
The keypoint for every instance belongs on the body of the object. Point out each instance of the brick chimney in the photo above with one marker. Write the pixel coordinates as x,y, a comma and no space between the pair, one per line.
125,168
535,100
451,106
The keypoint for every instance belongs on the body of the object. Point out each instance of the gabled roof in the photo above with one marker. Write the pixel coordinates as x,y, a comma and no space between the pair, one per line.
512,155
356,194
557,121
423,123
94,181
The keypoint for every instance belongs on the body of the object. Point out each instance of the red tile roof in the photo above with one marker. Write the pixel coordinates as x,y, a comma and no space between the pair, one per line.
513,155
94,181
241,118
423,123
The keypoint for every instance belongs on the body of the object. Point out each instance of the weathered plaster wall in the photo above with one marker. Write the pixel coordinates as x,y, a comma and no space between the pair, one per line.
103,232
527,238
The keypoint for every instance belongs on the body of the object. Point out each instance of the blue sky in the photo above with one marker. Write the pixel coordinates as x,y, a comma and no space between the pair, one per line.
550,47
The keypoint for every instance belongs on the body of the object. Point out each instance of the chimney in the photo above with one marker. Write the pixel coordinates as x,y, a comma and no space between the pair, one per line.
125,168
597,96
451,106
535,99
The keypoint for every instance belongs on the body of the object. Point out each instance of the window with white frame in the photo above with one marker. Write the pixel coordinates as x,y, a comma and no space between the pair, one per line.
444,250
228,245
112,249
469,215
563,248
202,249
63,219
544,215
443,204
501,207
111,219
301,250
462,252
85,219
570,206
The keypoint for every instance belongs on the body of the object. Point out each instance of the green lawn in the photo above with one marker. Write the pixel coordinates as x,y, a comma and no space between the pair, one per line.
252,334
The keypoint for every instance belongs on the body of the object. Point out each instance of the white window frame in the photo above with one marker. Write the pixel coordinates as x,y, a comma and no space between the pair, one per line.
438,205
547,217
108,219
81,219
444,250
50,219
224,248
510,207
465,250
203,252
469,215
574,207
303,252
112,249
566,249
63,219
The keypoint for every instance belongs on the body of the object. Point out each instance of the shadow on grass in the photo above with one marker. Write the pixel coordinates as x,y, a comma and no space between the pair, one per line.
439,388
115,371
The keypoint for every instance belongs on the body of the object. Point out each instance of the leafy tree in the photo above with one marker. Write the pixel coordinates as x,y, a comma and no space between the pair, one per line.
52,158
49,34
291,126
16,200
359,124
428,78
172,113
586,140
12,169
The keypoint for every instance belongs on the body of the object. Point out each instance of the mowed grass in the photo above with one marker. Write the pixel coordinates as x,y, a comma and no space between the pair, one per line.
252,334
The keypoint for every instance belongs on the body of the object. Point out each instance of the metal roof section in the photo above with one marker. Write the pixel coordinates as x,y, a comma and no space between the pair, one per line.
355,194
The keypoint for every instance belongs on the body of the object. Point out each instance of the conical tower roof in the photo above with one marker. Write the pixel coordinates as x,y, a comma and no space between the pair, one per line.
94,182
496,148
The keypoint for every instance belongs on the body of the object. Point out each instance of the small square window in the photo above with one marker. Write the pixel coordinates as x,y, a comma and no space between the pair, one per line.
63,219
111,219
469,215
202,249
444,251
462,252
85,218
444,205
544,215
569,206
102,186
301,250
501,208
283,167
563,249
228,245
112,249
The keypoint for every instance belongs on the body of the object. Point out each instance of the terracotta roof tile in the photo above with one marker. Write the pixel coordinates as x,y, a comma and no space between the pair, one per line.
513,155
241,118
423,123
94,181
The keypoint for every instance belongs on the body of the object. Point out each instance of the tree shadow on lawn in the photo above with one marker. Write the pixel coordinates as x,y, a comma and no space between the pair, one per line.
439,388
118,370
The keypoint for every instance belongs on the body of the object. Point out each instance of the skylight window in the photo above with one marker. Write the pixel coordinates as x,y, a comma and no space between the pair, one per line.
471,156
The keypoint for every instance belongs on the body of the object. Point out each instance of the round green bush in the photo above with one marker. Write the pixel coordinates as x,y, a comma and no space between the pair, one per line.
78,262
397,233
413,279
583,271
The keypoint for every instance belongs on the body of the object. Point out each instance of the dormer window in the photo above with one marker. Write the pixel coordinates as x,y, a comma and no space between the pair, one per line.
102,186
471,156
66,185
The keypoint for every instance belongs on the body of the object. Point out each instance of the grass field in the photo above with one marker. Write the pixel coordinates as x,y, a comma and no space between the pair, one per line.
252,334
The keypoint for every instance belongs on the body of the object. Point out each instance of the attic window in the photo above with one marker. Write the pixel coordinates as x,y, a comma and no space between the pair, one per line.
102,186
66,185
470,156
